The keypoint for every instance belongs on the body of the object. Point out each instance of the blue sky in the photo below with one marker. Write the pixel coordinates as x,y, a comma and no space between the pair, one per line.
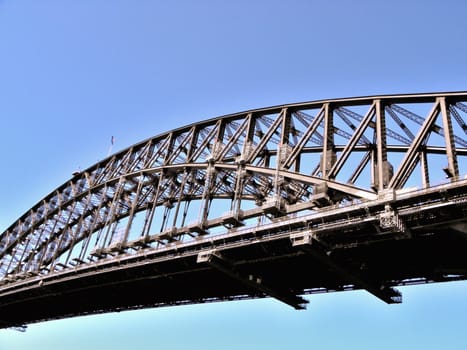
73,73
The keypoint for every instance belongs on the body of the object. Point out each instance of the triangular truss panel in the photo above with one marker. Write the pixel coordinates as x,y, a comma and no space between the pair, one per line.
436,133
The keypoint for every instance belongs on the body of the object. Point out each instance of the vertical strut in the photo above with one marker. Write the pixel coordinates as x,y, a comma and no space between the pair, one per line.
206,198
424,169
329,156
132,210
152,207
241,160
285,127
180,196
381,151
284,146
453,169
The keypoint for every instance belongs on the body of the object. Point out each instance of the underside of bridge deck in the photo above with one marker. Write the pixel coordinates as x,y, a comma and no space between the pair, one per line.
267,268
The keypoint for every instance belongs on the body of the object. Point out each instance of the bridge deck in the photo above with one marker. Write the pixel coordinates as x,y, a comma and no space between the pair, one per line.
291,257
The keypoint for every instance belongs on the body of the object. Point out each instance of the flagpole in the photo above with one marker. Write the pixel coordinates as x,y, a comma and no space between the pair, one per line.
112,141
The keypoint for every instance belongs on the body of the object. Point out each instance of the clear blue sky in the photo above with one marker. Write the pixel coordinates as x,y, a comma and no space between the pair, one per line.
75,72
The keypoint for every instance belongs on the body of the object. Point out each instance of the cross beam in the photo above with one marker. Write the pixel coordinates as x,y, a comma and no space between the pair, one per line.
220,263
307,243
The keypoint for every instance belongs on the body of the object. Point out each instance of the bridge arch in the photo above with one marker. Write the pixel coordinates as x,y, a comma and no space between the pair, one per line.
284,169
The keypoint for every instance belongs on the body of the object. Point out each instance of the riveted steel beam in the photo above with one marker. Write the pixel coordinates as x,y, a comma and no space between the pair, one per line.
307,243
408,163
452,168
220,263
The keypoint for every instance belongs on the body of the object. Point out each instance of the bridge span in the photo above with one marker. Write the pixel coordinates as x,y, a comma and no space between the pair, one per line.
333,195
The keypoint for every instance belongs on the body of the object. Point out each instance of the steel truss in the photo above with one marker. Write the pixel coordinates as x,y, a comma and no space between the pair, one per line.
200,185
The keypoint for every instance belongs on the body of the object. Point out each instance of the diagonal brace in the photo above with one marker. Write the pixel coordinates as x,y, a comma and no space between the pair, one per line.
307,243
411,157
215,260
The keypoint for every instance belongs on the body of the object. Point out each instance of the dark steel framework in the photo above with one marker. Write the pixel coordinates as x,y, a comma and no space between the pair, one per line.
283,201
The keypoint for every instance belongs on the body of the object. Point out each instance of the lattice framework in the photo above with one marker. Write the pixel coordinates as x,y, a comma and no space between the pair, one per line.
248,168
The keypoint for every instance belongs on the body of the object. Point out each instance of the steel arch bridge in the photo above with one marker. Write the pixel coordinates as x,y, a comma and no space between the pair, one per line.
358,193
